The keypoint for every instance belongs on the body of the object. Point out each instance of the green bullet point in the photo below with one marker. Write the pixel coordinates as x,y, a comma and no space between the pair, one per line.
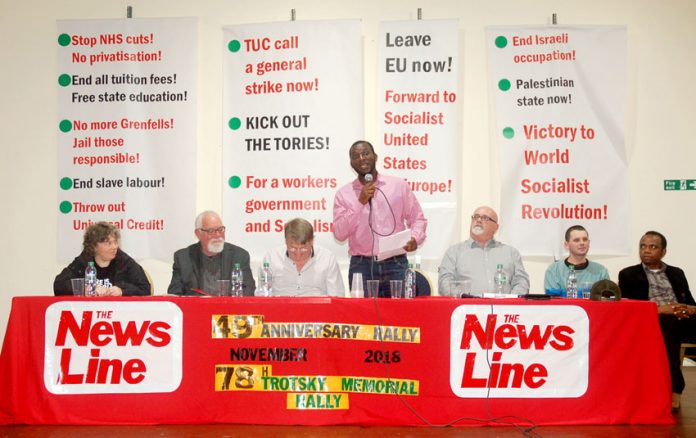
504,84
65,207
501,42
66,183
234,46
508,132
235,182
64,39
234,123
65,126
64,80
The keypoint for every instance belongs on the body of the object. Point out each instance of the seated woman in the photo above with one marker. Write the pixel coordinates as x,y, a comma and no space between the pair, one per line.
117,273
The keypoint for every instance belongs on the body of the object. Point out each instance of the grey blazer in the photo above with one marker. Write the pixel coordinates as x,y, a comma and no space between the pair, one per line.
186,270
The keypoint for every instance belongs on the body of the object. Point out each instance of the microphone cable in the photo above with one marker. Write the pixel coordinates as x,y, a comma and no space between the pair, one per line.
526,430
369,178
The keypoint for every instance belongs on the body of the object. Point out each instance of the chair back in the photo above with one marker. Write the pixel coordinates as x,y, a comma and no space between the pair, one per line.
423,288
152,284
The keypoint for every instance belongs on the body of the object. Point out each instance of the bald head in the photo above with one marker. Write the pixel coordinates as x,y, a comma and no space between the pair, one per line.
484,224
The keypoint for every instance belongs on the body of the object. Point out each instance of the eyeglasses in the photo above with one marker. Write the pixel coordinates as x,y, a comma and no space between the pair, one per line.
109,242
483,218
218,230
298,250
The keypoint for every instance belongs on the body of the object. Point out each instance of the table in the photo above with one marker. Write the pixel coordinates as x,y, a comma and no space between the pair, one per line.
322,361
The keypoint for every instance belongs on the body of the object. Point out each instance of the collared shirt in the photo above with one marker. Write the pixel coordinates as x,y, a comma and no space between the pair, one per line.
394,207
470,261
320,275
660,290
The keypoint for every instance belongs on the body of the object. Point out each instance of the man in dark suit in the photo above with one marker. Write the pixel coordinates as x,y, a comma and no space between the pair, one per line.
667,286
198,267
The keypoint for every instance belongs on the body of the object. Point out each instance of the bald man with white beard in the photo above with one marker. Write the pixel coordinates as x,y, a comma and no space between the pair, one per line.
476,259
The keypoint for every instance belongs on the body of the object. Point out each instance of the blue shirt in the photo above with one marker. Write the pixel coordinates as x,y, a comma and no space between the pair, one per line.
557,274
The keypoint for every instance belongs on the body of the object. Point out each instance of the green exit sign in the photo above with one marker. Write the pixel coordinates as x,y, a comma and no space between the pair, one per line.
680,184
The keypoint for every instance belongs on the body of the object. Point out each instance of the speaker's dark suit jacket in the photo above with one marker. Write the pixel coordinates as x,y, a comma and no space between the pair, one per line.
187,273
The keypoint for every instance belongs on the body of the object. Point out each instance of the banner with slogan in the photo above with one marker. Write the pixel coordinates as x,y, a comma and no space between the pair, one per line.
323,361
559,95
126,131
293,105
420,119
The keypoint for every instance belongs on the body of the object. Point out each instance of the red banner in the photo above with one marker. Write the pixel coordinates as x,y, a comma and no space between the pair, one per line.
319,361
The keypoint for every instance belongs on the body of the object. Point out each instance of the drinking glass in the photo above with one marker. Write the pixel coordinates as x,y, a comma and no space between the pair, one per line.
396,288
372,289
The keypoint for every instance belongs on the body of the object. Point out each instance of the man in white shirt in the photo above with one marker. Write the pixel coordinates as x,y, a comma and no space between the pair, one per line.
301,268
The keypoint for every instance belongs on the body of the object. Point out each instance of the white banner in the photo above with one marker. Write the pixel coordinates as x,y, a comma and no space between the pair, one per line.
293,105
559,96
420,120
127,131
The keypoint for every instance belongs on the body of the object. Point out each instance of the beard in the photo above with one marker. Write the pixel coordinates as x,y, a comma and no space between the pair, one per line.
216,245
477,230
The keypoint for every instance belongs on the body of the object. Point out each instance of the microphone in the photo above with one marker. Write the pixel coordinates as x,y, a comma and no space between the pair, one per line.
368,179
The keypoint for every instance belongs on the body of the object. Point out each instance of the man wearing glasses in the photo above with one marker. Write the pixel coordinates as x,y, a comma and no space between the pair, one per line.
476,259
301,268
198,267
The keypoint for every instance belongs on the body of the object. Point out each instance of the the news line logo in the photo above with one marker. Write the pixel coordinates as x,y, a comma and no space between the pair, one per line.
519,351
103,347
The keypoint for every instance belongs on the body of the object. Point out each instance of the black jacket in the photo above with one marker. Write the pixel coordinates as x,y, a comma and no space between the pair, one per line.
633,282
127,274
186,272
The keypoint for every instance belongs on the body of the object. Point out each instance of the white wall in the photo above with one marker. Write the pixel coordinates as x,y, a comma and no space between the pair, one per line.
661,36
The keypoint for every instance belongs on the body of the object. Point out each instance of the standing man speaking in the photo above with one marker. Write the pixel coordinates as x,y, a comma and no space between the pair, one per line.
373,206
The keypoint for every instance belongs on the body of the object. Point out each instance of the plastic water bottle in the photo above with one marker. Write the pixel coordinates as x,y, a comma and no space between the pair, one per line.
265,281
237,281
572,283
500,280
410,282
90,280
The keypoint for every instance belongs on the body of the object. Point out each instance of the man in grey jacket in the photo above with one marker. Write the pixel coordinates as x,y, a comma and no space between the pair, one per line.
198,267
